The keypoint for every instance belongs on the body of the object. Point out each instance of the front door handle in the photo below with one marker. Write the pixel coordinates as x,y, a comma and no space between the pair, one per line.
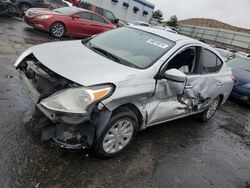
219,84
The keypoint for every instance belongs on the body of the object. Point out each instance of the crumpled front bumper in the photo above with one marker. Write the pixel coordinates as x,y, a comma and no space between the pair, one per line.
65,130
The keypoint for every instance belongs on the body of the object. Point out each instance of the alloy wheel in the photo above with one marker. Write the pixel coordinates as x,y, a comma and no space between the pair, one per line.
118,136
58,30
213,107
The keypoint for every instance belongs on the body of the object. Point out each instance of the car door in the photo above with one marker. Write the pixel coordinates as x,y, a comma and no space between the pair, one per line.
81,25
175,98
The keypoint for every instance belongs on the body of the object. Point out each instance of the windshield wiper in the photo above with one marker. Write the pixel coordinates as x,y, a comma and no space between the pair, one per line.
106,53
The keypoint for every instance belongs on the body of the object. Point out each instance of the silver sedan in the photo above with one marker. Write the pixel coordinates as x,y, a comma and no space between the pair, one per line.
99,92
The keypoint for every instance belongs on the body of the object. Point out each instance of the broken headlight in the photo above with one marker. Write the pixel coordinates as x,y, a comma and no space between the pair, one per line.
75,100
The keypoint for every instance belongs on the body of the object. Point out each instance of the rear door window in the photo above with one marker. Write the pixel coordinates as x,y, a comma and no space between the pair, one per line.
210,62
85,15
98,19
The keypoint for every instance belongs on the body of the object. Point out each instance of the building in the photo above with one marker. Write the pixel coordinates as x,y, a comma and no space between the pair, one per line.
127,10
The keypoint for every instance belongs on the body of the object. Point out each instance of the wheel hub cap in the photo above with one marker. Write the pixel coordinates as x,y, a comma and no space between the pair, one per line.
58,30
118,136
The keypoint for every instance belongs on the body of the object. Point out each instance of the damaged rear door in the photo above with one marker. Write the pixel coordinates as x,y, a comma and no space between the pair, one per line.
187,83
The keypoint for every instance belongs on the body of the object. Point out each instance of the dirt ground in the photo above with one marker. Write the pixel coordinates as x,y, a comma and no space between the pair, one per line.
183,153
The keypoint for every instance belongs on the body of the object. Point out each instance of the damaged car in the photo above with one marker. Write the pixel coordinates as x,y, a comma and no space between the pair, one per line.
99,92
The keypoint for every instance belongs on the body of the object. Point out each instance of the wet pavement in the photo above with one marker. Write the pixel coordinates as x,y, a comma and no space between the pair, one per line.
183,153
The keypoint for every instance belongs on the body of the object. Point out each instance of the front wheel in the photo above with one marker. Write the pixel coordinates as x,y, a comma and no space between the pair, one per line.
57,30
208,113
119,132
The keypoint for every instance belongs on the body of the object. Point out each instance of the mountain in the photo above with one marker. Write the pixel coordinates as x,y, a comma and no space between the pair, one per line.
206,22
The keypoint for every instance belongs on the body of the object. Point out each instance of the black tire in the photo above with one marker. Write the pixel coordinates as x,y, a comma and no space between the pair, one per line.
207,115
41,123
23,7
124,114
57,29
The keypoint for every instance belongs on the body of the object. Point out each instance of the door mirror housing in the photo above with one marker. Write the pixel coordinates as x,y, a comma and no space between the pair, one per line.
175,76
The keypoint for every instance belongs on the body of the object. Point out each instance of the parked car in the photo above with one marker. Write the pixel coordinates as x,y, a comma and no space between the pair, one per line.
100,91
226,55
99,10
165,28
242,54
24,5
140,23
241,72
71,21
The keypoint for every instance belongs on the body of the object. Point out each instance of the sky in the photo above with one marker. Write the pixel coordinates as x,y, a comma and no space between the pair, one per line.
234,12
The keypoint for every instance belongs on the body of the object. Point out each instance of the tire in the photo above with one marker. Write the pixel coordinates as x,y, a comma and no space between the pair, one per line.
41,123
24,7
124,121
208,113
57,29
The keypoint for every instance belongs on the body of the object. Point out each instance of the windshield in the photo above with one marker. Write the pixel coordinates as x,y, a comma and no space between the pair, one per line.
241,63
65,10
131,46
223,53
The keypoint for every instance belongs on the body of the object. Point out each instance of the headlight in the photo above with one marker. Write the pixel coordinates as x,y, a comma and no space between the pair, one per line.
246,86
75,100
43,17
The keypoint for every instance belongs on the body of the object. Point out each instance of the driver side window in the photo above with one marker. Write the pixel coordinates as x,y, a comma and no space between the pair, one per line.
186,61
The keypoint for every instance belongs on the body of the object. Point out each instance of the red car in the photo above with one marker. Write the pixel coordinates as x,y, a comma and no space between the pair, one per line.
71,21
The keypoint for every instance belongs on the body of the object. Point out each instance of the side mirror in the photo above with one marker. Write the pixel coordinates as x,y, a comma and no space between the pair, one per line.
175,76
116,20
75,17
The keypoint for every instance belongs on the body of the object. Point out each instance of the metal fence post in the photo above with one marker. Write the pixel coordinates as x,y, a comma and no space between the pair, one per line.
233,39
217,36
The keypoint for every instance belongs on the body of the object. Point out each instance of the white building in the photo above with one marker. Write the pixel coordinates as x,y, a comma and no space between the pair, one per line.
127,10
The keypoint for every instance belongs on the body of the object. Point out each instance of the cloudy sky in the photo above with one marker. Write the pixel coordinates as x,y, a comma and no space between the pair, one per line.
234,12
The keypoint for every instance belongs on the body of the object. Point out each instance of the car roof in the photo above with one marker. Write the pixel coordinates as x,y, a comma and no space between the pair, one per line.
168,35
223,50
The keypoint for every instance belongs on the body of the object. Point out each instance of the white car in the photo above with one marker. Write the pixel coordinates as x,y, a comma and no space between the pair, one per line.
165,28
242,54
139,23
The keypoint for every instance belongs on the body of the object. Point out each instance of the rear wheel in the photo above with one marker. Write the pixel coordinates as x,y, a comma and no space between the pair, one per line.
208,114
119,132
57,30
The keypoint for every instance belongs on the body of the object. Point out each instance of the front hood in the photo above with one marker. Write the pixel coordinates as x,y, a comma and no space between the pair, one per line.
241,75
76,62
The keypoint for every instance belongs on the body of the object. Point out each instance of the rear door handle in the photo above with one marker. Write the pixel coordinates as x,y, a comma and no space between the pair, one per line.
188,87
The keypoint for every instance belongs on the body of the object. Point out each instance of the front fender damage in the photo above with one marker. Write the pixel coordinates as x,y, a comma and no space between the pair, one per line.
77,136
